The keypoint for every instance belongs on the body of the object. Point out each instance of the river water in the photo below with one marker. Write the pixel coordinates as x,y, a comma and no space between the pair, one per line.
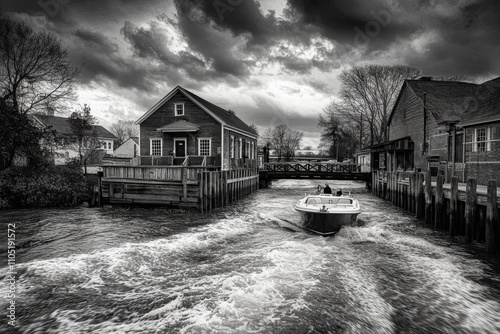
245,269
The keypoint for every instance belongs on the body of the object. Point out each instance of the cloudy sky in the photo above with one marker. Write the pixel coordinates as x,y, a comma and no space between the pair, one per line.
272,62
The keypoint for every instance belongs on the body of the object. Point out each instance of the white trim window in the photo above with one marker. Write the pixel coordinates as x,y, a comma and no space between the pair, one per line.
240,149
155,146
481,140
179,109
204,146
252,153
231,149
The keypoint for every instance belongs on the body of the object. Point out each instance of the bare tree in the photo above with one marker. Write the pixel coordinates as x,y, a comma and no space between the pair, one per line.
368,94
285,141
35,73
123,130
339,135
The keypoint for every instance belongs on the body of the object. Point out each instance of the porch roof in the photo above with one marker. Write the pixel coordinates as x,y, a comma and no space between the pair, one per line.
179,126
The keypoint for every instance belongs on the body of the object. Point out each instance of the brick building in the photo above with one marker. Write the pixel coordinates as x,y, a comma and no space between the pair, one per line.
443,125
480,124
186,129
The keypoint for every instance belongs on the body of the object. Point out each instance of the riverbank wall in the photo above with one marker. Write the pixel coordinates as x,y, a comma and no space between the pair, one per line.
465,209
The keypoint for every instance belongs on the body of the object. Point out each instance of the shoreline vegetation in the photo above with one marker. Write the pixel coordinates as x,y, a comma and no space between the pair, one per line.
52,186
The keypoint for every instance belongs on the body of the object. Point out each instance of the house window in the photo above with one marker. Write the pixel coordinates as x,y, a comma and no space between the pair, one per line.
104,145
240,149
253,151
179,109
232,147
204,146
481,140
156,146
459,142
109,145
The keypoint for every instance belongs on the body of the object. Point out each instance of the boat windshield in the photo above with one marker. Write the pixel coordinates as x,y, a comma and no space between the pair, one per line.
319,200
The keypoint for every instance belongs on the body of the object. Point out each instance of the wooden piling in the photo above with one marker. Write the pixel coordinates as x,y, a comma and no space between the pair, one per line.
439,205
453,216
184,184
492,218
420,196
428,198
470,209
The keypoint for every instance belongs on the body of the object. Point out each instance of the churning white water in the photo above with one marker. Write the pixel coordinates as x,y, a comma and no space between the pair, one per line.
245,269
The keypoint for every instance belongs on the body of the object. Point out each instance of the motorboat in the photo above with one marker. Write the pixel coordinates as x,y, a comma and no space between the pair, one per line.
325,214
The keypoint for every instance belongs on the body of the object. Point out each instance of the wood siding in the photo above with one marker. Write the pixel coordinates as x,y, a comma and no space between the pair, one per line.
209,127
408,120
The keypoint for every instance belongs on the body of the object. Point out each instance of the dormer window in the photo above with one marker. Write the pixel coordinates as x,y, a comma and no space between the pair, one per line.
179,109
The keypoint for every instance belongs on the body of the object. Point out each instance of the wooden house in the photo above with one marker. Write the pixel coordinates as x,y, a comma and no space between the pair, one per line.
185,129
63,149
422,132
129,148
363,158
480,127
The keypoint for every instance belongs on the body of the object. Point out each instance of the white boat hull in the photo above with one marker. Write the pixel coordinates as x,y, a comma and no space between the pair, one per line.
329,215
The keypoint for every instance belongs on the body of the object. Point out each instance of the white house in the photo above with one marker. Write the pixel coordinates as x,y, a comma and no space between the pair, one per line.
129,148
64,151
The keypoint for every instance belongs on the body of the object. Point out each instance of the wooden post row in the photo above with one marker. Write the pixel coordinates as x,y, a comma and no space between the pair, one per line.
492,218
470,209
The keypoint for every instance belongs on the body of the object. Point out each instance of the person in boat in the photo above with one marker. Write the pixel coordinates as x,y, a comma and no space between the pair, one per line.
339,192
327,189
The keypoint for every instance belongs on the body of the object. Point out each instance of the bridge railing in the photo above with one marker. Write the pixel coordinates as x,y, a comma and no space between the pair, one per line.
293,167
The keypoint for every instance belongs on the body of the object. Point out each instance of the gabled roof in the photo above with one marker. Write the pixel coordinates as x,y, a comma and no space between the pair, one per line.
223,116
62,126
445,100
484,106
136,139
179,126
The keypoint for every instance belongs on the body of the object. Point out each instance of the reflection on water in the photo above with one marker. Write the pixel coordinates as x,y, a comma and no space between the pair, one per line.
246,269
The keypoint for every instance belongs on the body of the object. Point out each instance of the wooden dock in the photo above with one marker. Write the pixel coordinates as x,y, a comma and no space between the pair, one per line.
204,188
466,209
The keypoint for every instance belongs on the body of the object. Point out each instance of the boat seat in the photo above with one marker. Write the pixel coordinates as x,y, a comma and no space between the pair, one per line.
344,201
314,201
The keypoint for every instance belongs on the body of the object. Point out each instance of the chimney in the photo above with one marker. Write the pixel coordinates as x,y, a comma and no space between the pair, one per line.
425,79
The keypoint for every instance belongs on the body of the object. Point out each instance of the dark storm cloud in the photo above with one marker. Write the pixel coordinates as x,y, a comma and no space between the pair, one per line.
355,24
240,17
467,38
100,58
466,43
201,21
152,43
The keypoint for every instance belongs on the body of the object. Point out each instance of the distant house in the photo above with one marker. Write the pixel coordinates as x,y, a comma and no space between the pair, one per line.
363,158
63,150
447,126
192,131
129,148
480,126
